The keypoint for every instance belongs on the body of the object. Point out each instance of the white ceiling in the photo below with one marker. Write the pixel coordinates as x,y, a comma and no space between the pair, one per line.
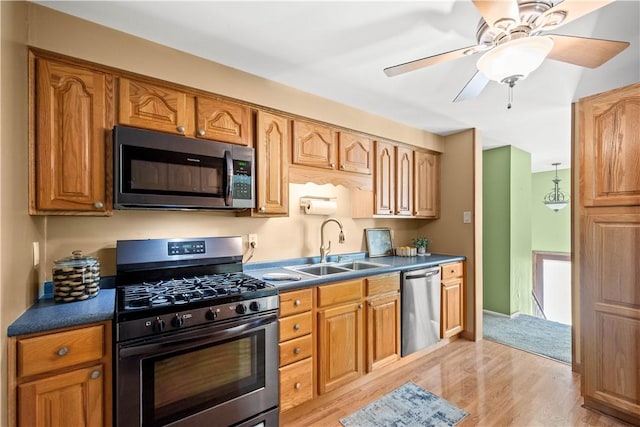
338,50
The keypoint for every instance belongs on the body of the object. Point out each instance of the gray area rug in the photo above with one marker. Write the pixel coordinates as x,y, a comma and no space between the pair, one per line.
529,333
408,405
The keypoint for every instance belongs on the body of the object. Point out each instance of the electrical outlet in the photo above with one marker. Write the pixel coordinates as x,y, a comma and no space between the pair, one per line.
252,241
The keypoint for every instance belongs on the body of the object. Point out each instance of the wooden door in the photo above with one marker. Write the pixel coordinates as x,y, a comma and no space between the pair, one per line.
272,164
221,120
340,348
426,184
71,399
608,148
72,113
385,178
355,153
383,330
404,181
154,107
451,315
314,145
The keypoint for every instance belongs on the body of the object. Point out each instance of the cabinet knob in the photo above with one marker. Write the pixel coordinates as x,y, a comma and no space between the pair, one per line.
296,303
296,326
201,132
95,374
98,205
332,165
341,167
62,351
181,129
360,306
297,350
297,386
262,209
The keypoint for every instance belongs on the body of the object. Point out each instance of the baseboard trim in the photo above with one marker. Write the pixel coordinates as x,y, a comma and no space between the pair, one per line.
495,313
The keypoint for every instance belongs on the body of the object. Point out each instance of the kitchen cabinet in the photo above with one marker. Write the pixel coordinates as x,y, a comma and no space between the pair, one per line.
452,299
355,153
383,320
61,378
272,164
426,184
166,109
393,180
340,334
71,109
296,348
314,145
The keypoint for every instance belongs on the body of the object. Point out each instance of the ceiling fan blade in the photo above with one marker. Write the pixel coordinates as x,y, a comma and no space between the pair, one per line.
429,60
583,51
574,9
493,11
473,87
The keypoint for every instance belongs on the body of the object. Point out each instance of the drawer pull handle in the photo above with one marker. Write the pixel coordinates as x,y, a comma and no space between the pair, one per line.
297,386
181,129
297,350
95,374
201,132
62,351
296,303
296,326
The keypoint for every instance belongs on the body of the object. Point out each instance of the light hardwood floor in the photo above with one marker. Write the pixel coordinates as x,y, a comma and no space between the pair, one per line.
497,385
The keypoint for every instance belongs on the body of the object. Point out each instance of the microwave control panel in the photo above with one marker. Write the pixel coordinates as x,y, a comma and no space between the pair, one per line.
242,179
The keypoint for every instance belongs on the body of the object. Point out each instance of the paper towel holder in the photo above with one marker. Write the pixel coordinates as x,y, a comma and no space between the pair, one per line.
305,201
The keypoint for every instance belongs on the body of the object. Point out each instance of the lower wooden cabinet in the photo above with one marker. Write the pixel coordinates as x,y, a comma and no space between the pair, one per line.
296,384
61,378
383,320
452,310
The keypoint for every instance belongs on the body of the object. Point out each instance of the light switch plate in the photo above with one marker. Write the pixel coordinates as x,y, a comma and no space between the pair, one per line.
466,217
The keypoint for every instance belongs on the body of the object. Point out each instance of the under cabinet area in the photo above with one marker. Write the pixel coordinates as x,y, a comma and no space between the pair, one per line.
61,377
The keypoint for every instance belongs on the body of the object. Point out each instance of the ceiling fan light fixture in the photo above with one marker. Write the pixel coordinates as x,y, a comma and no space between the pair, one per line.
517,57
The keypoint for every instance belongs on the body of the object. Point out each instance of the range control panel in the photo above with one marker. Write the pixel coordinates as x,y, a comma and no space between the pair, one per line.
186,248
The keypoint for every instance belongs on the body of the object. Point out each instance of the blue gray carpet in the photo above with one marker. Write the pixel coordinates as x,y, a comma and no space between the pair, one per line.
530,334
408,405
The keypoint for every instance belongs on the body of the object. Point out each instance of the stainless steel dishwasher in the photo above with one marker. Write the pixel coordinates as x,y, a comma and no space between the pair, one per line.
420,309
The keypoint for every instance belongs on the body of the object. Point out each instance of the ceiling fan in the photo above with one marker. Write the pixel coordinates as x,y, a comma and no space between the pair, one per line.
511,37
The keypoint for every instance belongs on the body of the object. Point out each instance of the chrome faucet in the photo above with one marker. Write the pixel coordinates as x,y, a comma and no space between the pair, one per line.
324,252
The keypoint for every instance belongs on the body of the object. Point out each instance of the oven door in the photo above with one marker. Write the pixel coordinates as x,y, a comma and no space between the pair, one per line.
222,374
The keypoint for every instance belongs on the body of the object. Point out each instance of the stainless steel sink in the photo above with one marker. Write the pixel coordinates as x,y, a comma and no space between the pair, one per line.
320,270
360,265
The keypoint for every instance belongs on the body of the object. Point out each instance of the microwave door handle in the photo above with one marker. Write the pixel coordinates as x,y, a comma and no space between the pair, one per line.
228,193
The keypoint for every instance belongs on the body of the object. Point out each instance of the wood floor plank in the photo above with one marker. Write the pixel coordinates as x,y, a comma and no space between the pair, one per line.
496,384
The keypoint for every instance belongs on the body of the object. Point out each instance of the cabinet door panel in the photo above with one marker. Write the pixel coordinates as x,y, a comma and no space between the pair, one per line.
452,313
70,145
272,164
385,178
314,145
426,184
383,331
225,121
71,399
355,153
404,181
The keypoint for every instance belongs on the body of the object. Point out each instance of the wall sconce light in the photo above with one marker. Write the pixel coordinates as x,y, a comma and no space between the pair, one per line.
556,199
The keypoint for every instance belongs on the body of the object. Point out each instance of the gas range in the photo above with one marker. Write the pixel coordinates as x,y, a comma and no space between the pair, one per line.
166,285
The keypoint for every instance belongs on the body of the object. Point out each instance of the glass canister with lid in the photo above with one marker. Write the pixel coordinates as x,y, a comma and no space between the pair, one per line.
76,278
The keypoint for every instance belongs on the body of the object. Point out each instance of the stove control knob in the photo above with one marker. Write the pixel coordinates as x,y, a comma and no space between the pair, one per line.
158,325
177,321
241,309
254,306
211,314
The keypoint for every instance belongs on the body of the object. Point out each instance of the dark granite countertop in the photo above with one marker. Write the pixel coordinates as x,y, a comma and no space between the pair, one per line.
47,315
392,264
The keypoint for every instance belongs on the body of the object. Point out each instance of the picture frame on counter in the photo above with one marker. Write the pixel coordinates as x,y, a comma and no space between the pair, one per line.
378,242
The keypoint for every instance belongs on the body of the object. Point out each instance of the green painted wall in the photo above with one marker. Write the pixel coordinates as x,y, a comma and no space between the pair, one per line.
550,231
507,230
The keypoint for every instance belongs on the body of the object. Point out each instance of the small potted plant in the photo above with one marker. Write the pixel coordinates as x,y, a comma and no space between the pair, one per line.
422,243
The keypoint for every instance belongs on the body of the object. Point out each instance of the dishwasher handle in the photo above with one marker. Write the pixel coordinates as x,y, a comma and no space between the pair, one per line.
429,273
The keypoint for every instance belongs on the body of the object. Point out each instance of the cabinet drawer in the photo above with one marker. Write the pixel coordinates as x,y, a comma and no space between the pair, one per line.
295,326
60,350
295,302
295,350
339,292
296,384
383,284
451,270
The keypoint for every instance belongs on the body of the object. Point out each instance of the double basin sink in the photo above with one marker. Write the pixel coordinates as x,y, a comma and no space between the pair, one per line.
335,268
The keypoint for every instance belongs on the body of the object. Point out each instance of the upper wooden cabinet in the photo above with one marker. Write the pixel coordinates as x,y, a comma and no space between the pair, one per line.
393,180
153,107
71,108
314,145
355,153
404,181
272,164
609,135
166,109
426,184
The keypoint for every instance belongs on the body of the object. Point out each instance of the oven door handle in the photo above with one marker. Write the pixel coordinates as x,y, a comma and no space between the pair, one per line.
181,343
228,193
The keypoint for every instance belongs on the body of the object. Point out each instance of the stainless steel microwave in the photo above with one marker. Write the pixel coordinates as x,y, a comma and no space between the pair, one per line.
155,170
